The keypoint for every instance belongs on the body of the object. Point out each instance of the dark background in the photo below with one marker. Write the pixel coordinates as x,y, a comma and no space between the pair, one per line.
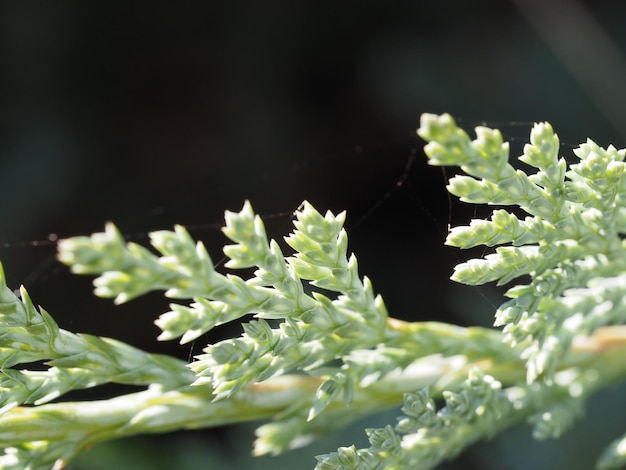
150,114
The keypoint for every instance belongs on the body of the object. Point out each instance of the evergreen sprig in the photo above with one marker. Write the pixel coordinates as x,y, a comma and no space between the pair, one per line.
320,350
571,239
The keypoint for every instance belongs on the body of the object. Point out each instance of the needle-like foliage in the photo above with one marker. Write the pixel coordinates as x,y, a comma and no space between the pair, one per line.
318,349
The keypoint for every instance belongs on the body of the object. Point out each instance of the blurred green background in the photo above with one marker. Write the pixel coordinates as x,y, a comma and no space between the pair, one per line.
150,114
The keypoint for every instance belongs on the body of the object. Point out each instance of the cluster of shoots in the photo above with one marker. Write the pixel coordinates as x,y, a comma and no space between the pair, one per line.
318,349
